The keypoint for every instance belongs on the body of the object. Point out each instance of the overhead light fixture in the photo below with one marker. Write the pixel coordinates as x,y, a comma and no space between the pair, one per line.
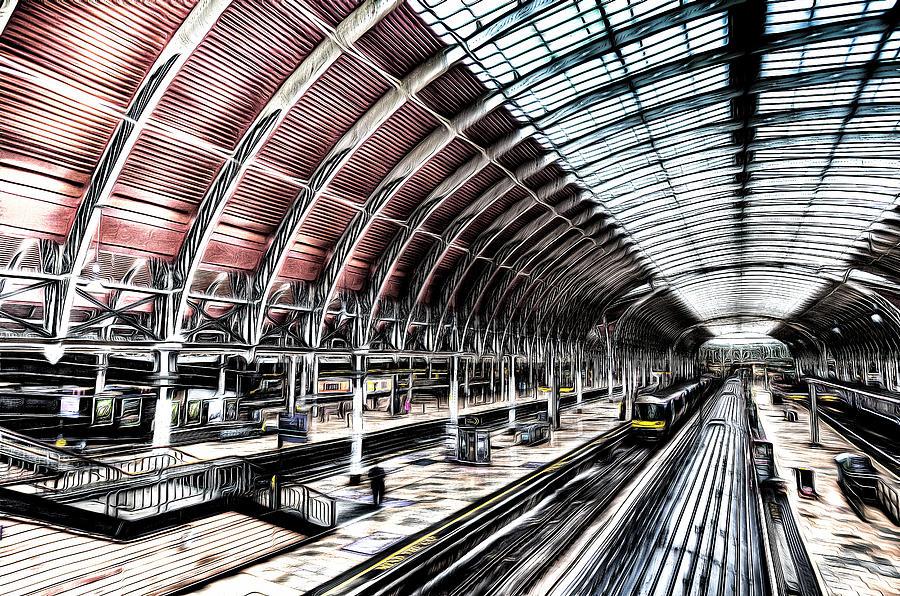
876,318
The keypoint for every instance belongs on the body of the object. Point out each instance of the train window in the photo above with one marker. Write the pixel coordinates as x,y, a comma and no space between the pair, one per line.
176,410
650,412
193,412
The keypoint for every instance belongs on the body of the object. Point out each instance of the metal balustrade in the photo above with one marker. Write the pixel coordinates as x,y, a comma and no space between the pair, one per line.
888,500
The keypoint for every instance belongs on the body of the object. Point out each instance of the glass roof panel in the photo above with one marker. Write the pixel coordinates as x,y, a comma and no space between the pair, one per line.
651,116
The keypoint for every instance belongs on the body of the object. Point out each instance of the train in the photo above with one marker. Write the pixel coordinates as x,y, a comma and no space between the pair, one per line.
655,415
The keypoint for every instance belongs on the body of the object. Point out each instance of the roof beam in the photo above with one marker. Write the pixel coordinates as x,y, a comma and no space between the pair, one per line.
74,252
7,7
500,261
486,238
210,209
539,262
427,269
401,240
399,175
337,157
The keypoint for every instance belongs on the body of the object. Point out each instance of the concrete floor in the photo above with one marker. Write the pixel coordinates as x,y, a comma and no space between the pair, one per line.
853,557
423,488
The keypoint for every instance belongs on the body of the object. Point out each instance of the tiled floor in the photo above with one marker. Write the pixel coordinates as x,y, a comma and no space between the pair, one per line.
422,489
852,556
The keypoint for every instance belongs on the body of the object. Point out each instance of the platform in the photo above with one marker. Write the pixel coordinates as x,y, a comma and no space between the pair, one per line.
337,428
852,556
423,488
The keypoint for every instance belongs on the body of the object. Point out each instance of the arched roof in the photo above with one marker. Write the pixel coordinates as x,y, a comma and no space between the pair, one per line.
246,172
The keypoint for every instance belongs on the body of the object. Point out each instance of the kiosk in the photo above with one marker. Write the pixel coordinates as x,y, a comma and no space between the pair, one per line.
473,443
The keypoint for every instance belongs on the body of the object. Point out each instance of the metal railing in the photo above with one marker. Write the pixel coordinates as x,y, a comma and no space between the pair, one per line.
888,500
315,507
203,482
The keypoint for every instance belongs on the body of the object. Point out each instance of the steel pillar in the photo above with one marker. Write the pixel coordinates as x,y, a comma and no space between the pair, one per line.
102,367
813,415
511,389
162,421
453,404
359,388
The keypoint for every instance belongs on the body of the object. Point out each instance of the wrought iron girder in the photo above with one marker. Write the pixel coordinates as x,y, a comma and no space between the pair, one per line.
427,207
578,295
484,239
301,206
539,251
74,251
498,260
540,262
401,173
551,278
572,272
211,207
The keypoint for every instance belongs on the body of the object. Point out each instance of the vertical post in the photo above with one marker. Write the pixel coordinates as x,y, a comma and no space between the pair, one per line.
466,386
813,415
579,384
493,388
409,383
511,389
359,388
223,360
162,421
290,381
314,381
609,360
553,382
307,385
453,404
102,366
531,387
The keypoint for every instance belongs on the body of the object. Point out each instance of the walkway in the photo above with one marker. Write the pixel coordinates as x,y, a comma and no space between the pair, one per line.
423,489
852,556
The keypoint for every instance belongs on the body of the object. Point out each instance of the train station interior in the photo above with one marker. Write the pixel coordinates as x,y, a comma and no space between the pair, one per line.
450,297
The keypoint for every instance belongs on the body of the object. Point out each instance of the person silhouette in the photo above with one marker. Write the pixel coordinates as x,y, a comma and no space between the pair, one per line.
376,480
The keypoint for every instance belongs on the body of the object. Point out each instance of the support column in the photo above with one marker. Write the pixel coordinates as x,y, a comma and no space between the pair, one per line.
223,361
359,388
162,421
531,387
290,382
453,405
306,372
579,384
102,367
553,382
609,360
511,389
493,385
466,386
813,415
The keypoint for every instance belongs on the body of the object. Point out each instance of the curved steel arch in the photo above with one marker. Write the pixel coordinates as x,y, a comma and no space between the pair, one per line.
73,254
210,209
337,157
